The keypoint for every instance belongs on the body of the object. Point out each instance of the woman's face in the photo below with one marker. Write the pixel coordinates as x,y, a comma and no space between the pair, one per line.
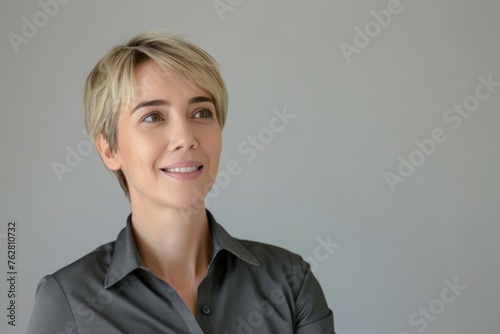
169,142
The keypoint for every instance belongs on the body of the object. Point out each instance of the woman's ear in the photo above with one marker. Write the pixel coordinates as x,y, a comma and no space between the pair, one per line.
107,156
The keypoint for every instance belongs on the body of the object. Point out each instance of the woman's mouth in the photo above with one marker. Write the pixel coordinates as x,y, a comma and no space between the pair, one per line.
182,169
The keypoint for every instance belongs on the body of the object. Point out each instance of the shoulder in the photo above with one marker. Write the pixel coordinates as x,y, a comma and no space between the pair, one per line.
58,293
278,263
270,253
93,264
295,283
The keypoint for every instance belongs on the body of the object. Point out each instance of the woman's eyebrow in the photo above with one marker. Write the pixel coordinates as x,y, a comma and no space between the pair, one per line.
152,103
197,99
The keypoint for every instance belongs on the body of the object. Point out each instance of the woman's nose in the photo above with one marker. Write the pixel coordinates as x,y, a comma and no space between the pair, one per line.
181,136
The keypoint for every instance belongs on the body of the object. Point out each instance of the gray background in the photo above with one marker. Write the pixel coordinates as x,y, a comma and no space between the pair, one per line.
322,176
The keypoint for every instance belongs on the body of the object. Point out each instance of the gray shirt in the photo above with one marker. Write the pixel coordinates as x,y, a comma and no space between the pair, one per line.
250,287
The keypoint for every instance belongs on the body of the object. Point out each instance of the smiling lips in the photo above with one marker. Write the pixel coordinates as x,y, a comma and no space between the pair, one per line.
182,169
185,170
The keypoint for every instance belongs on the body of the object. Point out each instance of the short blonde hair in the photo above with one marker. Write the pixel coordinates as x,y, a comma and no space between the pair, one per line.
111,86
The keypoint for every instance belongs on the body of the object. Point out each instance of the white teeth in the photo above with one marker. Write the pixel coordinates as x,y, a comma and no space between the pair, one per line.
182,169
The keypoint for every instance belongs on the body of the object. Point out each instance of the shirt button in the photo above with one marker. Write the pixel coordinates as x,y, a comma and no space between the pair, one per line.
206,310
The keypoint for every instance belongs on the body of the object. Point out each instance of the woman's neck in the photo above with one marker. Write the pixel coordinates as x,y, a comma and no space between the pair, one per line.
176,245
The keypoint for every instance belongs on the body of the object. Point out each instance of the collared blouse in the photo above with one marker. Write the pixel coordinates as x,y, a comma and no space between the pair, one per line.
250,287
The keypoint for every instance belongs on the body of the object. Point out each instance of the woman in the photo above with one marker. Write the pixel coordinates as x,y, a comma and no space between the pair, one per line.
155,108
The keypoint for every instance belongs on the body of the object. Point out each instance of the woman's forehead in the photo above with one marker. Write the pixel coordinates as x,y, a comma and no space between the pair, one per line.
151,78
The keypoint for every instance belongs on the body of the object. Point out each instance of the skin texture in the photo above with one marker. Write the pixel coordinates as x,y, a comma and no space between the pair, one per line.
168,214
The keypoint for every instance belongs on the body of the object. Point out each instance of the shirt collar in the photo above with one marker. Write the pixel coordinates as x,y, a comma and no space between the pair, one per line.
126,258
223,240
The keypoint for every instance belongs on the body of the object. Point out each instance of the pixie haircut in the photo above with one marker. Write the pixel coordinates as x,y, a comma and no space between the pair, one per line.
111,87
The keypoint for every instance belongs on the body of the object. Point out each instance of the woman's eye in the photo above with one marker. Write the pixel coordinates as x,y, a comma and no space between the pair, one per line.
152,118
203,113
